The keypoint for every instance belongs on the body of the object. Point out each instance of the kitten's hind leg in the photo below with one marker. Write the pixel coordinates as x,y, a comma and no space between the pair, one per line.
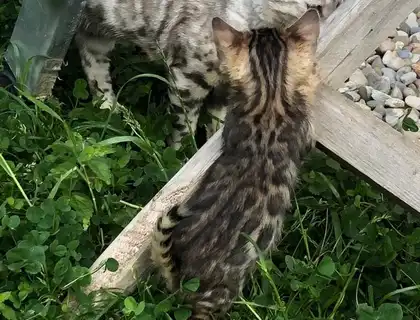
94,56
214,302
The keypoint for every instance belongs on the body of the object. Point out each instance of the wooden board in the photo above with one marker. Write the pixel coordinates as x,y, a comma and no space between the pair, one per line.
353,134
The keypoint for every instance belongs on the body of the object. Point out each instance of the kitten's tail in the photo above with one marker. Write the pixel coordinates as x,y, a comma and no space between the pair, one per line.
162,245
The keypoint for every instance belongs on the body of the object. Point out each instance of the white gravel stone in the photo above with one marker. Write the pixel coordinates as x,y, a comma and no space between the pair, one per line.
415,38
411,20
402,71
374,104
402,36
408,78
394,103
379,96
358,78
414,115
413,102
393,61
383,85
409,92
415,58
396,93
390,74
393,116
399,45
352,95
387,45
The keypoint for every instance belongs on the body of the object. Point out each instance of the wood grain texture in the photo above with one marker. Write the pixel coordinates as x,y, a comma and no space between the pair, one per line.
369,145
354,31
353,134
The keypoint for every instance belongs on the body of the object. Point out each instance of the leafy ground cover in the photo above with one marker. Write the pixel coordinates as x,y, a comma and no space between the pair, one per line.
71,178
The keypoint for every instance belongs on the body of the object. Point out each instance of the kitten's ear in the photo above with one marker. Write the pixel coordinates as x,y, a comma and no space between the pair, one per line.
224,35
307,28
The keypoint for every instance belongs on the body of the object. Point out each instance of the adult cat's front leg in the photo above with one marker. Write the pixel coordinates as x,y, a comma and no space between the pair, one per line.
94,57
192,78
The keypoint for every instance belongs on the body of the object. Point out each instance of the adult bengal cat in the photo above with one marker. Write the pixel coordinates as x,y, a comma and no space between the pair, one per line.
181,31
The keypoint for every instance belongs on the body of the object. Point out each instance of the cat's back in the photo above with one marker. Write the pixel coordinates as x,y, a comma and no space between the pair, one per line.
147,18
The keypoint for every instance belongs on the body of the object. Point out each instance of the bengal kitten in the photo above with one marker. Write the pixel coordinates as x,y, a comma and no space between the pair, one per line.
273,80
181,31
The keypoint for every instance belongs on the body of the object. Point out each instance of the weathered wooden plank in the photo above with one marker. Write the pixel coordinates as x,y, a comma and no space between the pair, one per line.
342,127
355,30
387,157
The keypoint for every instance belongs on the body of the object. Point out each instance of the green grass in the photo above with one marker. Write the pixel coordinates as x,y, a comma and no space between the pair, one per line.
72,176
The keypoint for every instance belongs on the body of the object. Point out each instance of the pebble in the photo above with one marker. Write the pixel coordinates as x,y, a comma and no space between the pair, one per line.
383,84
409,92
342,90
380,109
377,65
415,48
399,45
387,45
399,85
371,58
392,116
414,30
411,20
402,71
413,102
416,68
415,38
359,78
392,60
417,83
413,87
365,92
415,57
396,93
405,27
379,96
404,54
371,75
351,85
374,104
408,78
402,36
390,74
352,95
395,103
414,115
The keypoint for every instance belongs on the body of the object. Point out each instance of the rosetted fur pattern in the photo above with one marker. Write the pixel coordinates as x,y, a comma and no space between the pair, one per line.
181,31
272,81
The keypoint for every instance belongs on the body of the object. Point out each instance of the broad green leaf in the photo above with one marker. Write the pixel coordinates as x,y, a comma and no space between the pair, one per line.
61,267
14,222
60,250
35,214
82,205
130,304
163,306
182,314
140,308
101,168
111,264
191,285
326,267
390,311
